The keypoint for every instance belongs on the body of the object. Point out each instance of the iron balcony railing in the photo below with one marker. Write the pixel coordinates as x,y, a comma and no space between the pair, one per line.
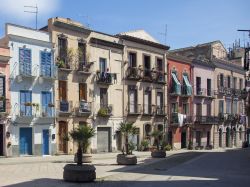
206,119
185,91
133,73
105,110
147,109
134,108
63,63
160,110
48,72
203,92
104,78
4,105
47,111
174,118
147,75
64,107
159,77
84,67
83,108
188,120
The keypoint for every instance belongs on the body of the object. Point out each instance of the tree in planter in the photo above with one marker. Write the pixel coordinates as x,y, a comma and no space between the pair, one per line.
159,152
82,136
156,134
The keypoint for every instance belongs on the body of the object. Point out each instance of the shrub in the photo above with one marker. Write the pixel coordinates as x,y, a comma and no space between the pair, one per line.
103,112
168,147
144,145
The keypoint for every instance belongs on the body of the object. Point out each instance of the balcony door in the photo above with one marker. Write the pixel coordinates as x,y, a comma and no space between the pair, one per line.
2,94
147,66
198,109
62,134
62,49
25,61
103,65
132,100
63,90
198,85
103,97
82,92
159,102
46,100
147,102
132,60
209,91
25,98
45,66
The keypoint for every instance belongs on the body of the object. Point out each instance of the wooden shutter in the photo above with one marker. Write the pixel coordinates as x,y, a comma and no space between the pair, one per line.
63,90
82,91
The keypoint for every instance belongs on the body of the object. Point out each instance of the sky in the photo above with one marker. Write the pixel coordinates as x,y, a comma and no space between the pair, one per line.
189,22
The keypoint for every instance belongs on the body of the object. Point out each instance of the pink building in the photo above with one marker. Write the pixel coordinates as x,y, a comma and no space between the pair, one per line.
4,100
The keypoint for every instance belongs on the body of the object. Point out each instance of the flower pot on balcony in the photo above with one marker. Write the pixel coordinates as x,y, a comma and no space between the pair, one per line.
28,104
158,154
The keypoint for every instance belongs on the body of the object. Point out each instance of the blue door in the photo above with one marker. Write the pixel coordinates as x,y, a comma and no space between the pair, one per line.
25,141
25,97
46,64
46,141
46,100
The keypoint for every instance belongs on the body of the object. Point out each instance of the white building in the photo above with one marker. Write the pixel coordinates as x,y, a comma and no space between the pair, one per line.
32,75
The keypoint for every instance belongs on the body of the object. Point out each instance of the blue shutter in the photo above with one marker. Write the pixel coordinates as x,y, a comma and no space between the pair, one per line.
21,61
46,99
22,102
27,61
43,63
28,99
48,64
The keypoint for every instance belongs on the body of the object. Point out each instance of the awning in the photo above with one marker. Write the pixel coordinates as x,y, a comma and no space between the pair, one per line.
175,79
188,85
177,86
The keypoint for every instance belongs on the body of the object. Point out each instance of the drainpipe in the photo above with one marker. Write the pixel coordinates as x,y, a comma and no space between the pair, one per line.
191,103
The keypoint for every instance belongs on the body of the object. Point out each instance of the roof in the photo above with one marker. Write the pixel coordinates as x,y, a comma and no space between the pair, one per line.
142,34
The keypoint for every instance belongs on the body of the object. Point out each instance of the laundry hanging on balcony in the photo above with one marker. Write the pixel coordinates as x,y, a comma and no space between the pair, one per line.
176,85
188,85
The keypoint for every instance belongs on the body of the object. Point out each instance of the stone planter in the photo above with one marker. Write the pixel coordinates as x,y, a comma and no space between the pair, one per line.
123,159
75,173
86,158
158,154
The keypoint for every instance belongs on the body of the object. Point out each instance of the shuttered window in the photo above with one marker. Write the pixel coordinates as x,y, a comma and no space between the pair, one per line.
2,94
45,63
25,61
63,90
25,103
82,91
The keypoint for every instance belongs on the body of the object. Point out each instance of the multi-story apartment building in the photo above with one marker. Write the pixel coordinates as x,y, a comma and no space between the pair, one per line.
32,76
180,93
145,84
228,81
88,90
4,100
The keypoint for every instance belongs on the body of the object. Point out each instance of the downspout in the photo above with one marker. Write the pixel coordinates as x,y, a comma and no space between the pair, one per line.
191,103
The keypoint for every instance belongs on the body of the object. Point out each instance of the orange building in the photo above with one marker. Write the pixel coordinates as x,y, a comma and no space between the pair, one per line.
180,93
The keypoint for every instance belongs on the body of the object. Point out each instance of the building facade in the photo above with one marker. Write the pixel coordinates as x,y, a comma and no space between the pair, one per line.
32,76
180,92
4,100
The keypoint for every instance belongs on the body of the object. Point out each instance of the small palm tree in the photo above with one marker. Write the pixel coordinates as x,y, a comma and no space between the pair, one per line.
156,134
127,129
82,135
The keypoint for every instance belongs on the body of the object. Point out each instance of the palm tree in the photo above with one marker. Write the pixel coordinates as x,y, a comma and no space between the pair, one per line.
127,129
82,135
156,134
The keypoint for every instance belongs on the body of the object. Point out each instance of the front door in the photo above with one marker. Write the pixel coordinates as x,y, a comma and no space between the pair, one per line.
46,142
103,139
62,136
183,140
25,141
1,140
208,138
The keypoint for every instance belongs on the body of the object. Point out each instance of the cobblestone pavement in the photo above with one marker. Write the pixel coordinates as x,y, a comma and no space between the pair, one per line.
47,171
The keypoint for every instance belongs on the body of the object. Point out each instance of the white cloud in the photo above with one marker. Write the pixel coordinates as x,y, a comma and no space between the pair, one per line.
14,9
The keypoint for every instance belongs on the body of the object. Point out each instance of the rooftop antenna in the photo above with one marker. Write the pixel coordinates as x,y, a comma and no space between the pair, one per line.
165,34
35,8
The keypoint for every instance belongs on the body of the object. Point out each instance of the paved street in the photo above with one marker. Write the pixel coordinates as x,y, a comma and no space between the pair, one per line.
181,168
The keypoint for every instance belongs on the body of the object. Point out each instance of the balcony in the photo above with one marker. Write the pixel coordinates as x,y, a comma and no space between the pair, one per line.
64,108
228,91
84,67
236,93
188,120
104,78
27,70
147,75
133,73
134,109
64,64
174,120
221,90
202,92
159,110
105,111
83,108
206,119
147,109
186,91
47,111
48,73
4,105
175,90
158,77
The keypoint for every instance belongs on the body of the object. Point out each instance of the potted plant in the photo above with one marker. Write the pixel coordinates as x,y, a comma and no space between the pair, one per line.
127,158
51,105
28,104
144,145
2,98
80,172
102,112
158,152
168,147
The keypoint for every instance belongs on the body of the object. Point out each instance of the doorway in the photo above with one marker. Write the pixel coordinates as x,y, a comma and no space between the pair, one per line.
183,139
63,131
46,142
25,141
103,139
220,138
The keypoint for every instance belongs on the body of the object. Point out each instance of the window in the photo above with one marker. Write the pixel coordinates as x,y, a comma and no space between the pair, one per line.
45,63
147,101
132,59
235,82
62,48
228,106
82,123
104,97
25,103
209,89
235,107
63,90
221,80
185,108
82,91
241,84
221,106
198,85
209,109
102,65
159,64
198,109
147,66
229,82
46,100
174,107
82,53
240,107
2,94
132,99
25,61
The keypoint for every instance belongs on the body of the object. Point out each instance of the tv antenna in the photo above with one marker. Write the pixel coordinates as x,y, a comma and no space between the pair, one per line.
165,34
35,11
242,30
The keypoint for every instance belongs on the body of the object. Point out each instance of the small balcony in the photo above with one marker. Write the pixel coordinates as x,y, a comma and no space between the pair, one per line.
236,93
159,77
104,78
64,108
205,120
147,75
84,67
4,105
221,90
27,70
48,72
188,120
105,111
175,90
63,64
200,92
47,111
159,110
133,73
174,120
134,109
83,108
228,91
186,91
147,109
